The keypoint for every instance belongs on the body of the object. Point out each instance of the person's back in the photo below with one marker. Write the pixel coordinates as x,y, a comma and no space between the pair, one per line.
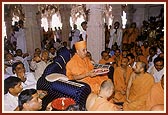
91,100
100,102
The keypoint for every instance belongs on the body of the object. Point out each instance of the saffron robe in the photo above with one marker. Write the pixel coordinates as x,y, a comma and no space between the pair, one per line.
102,104
139,90
120,83
155,96
78,66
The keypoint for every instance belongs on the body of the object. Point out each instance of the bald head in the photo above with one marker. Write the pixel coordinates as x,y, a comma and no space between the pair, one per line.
159,107
107,84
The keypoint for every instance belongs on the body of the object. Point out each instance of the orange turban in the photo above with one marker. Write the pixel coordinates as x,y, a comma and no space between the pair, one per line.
80,45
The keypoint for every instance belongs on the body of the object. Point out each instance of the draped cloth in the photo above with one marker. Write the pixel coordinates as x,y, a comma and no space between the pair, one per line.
102,61
139,90
155,96
102,104
78,66
57,66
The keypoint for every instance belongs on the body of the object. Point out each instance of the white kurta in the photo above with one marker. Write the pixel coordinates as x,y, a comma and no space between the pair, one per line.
151,64
10,102
115,37
24,61
84,35
21,40
156,74
39,68
30,82
75,37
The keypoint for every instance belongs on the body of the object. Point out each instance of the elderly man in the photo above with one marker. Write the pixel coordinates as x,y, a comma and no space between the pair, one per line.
139,85
81,69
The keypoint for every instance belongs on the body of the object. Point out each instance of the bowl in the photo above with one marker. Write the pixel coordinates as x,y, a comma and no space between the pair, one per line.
62,103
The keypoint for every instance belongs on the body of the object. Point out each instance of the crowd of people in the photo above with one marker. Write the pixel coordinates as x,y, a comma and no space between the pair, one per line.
135,59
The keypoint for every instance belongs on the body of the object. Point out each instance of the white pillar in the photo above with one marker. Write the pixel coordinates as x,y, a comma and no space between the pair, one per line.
95,31
31,25
65,12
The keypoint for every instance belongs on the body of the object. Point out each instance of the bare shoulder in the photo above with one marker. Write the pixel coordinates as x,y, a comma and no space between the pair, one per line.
91,100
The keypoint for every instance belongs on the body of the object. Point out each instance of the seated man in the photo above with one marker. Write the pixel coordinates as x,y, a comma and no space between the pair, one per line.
29,100
39,63
28,79
121,77
139,85
100,102
81,69
158,69
106,59
117,58
12,87
24,58
9,60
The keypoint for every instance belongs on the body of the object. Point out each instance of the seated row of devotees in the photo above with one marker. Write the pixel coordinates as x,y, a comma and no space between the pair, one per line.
129,89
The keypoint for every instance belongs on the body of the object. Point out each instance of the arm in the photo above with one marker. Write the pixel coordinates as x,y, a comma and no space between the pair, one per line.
129,86
88,74
33,63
